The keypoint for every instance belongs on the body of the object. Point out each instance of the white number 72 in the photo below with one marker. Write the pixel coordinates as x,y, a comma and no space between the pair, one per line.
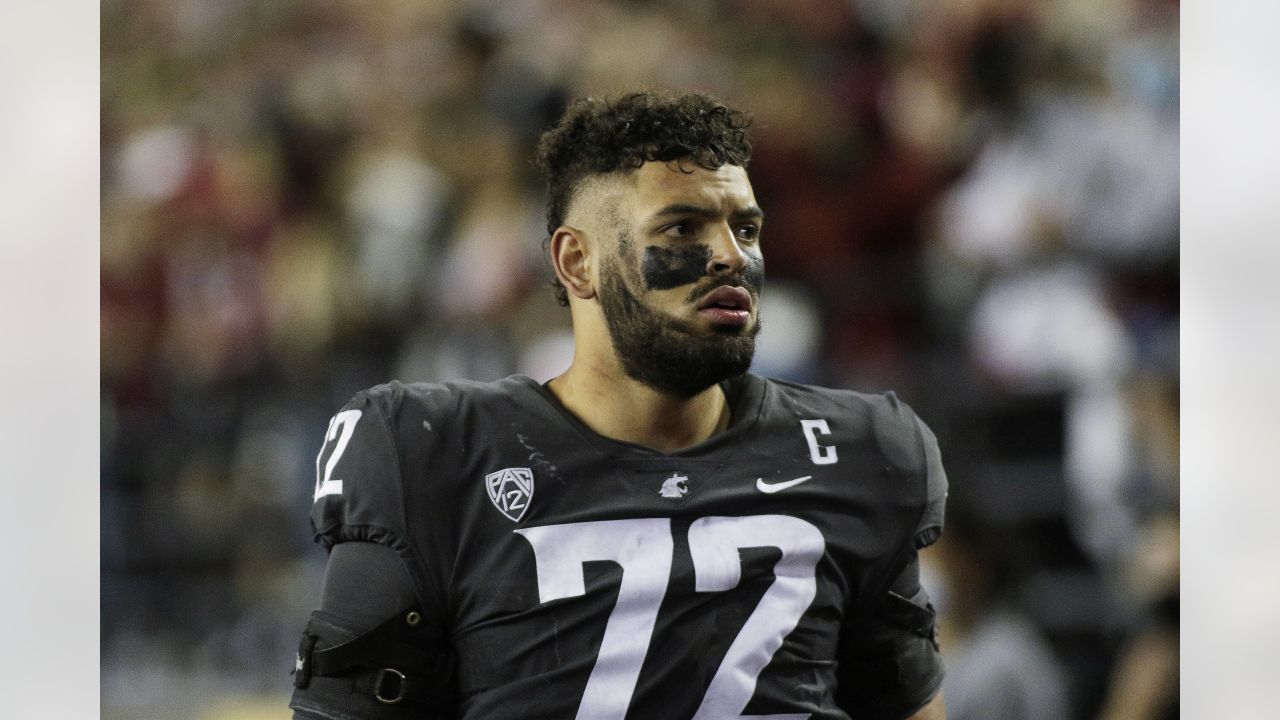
344,423
643,547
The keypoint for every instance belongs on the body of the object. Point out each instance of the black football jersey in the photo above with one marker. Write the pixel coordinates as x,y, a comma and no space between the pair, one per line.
578,576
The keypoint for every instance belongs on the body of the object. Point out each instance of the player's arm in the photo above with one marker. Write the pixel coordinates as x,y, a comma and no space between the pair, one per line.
368,651
376,648
890,667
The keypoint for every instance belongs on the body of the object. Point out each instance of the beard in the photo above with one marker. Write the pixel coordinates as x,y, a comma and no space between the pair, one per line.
669,354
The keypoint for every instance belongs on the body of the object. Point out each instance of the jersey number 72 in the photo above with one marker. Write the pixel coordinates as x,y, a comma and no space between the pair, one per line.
644,548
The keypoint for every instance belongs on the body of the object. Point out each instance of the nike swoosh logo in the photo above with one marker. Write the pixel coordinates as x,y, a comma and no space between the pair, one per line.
770,489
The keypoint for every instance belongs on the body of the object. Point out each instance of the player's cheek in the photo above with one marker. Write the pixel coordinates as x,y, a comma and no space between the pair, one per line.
666,268
753,272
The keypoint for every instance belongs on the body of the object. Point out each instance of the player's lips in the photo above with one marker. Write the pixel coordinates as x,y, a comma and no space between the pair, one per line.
727,305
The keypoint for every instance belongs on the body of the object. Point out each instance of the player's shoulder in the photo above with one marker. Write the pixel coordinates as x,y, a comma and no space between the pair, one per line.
375,448
904,441
882,416
402,402
839,398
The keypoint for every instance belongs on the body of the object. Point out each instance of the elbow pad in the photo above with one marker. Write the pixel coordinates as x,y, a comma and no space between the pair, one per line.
372,651
394,670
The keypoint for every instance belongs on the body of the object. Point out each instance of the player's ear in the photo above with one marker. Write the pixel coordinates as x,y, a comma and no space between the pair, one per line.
571,258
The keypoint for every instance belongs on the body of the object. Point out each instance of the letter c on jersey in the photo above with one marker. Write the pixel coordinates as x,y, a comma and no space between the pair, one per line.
820,454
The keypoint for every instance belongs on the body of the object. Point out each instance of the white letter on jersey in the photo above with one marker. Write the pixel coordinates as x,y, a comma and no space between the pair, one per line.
644,549
820,454
346,421
714,543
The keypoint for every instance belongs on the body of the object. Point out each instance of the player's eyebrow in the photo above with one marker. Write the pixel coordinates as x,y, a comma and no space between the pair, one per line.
751,212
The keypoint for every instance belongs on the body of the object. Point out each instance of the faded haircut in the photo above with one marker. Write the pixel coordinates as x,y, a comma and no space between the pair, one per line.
599,136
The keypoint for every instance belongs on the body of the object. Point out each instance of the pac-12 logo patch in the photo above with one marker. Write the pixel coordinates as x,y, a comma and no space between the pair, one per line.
511,491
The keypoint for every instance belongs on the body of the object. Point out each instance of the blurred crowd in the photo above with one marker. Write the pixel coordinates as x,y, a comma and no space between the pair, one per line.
971,202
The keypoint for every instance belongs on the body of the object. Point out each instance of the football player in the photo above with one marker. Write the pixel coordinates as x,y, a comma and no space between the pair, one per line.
655,533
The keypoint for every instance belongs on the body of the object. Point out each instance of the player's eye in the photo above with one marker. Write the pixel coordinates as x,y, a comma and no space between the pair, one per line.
749,231
682,229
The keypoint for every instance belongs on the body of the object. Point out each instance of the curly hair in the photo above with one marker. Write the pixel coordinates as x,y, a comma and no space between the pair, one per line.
599,136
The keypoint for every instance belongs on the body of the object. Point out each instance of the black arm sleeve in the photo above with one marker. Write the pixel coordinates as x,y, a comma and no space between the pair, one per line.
889,664
365,583
367,601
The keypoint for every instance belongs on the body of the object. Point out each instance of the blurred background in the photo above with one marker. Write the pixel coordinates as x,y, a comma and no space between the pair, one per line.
971,202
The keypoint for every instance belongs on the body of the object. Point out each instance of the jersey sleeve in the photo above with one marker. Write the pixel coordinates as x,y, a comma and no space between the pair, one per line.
359,494
929,528
909,447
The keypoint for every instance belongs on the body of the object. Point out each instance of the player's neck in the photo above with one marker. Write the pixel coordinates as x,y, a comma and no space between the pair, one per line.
619,407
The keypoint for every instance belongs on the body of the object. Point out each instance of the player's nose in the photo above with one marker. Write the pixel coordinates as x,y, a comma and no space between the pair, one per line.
727,256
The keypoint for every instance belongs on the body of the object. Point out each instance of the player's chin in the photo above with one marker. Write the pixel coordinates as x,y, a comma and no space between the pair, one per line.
747,332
